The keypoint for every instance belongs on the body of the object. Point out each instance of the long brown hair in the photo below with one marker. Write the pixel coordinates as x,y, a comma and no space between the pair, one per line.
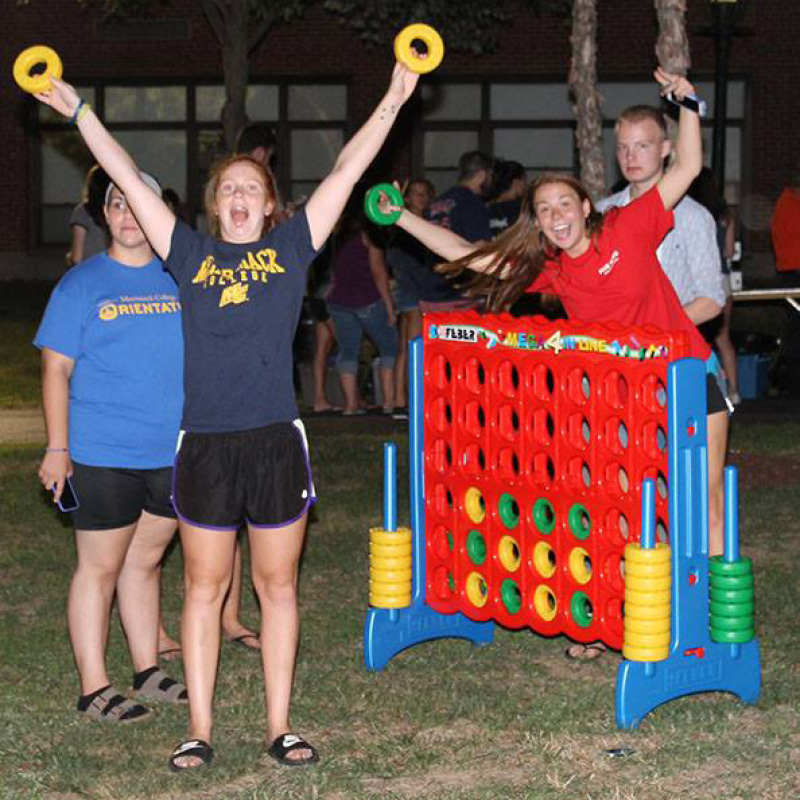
523,248
217,170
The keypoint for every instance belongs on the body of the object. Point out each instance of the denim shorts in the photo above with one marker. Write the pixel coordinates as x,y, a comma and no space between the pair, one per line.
352,323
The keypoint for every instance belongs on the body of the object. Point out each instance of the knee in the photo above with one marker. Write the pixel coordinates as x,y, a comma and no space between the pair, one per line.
276,590
206,588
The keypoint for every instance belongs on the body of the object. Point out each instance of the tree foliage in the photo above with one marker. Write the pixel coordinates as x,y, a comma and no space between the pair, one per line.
467,26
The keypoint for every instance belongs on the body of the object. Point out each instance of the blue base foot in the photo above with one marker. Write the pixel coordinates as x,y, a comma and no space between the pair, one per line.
642,686
389,631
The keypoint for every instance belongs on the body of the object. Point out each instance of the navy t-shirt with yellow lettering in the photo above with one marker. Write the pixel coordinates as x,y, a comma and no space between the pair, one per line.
241,305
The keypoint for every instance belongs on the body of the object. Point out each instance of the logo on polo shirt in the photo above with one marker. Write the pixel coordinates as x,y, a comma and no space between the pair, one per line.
610,264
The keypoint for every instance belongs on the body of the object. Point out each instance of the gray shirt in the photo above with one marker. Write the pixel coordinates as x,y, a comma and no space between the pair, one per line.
96,239
689,254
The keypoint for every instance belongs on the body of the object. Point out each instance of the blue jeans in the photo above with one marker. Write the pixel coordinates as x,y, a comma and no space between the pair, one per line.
352,323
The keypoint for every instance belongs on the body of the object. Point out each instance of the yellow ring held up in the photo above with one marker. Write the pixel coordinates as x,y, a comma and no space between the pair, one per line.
433,41
28,59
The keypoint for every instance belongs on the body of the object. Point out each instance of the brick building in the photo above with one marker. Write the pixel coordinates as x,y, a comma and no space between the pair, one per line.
158,84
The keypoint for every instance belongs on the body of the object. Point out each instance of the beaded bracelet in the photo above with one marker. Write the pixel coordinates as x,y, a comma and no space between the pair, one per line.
76,113
56,450
85,108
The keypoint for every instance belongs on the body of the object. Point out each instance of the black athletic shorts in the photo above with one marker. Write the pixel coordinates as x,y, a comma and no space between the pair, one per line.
112,497
260,476
715,400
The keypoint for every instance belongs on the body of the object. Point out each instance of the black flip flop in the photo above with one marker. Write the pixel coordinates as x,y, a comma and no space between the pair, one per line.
196,748
287,743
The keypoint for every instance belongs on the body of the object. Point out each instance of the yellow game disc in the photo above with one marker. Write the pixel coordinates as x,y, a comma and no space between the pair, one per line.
28,59
405,55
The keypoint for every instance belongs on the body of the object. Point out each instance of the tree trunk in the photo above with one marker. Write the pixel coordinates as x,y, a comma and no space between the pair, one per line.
586,98
672,46
229,21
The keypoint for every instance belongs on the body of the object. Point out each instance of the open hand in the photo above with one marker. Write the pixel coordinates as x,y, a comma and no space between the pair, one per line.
402,84
672,83
62,97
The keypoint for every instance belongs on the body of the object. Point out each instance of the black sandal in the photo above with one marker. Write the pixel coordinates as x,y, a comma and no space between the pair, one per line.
192,748
287,743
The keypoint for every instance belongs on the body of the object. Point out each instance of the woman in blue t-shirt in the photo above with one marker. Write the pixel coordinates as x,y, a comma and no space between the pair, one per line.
243,459
111,377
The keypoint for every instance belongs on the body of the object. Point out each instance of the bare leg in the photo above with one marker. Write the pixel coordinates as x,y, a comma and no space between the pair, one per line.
387,386
352,400
232,627
325,339
275,558
139,586
208,558
717,447
101,555
727,352
401,365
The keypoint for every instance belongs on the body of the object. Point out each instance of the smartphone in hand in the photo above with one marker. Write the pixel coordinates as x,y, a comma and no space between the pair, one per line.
692,102
68,500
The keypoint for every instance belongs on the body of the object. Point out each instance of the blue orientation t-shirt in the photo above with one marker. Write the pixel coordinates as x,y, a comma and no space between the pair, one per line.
121,326
241,305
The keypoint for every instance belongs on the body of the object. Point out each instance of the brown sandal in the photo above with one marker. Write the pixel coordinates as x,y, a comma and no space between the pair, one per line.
108,705
585,652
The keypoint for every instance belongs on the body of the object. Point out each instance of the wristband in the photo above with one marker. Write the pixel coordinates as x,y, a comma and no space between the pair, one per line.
76,113
85,108
56,450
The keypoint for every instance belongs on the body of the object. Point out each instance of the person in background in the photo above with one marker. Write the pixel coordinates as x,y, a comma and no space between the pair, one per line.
87,222
705,191
360,302
407,259
258,140
462,210
319,278
509,184
112,396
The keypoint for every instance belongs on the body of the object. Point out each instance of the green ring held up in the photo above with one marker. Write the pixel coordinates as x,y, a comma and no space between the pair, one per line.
716,566
511,596
732,637
544,516
476,547
508,510
581,610
372,201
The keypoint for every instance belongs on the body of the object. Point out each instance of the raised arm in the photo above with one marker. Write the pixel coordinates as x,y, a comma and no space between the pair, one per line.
153,215
688,147
327,202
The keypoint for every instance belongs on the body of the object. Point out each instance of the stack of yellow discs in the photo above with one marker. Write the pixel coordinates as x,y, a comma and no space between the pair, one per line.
648,583
389,568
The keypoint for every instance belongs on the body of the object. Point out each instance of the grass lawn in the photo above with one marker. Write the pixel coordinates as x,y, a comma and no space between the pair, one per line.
444,720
